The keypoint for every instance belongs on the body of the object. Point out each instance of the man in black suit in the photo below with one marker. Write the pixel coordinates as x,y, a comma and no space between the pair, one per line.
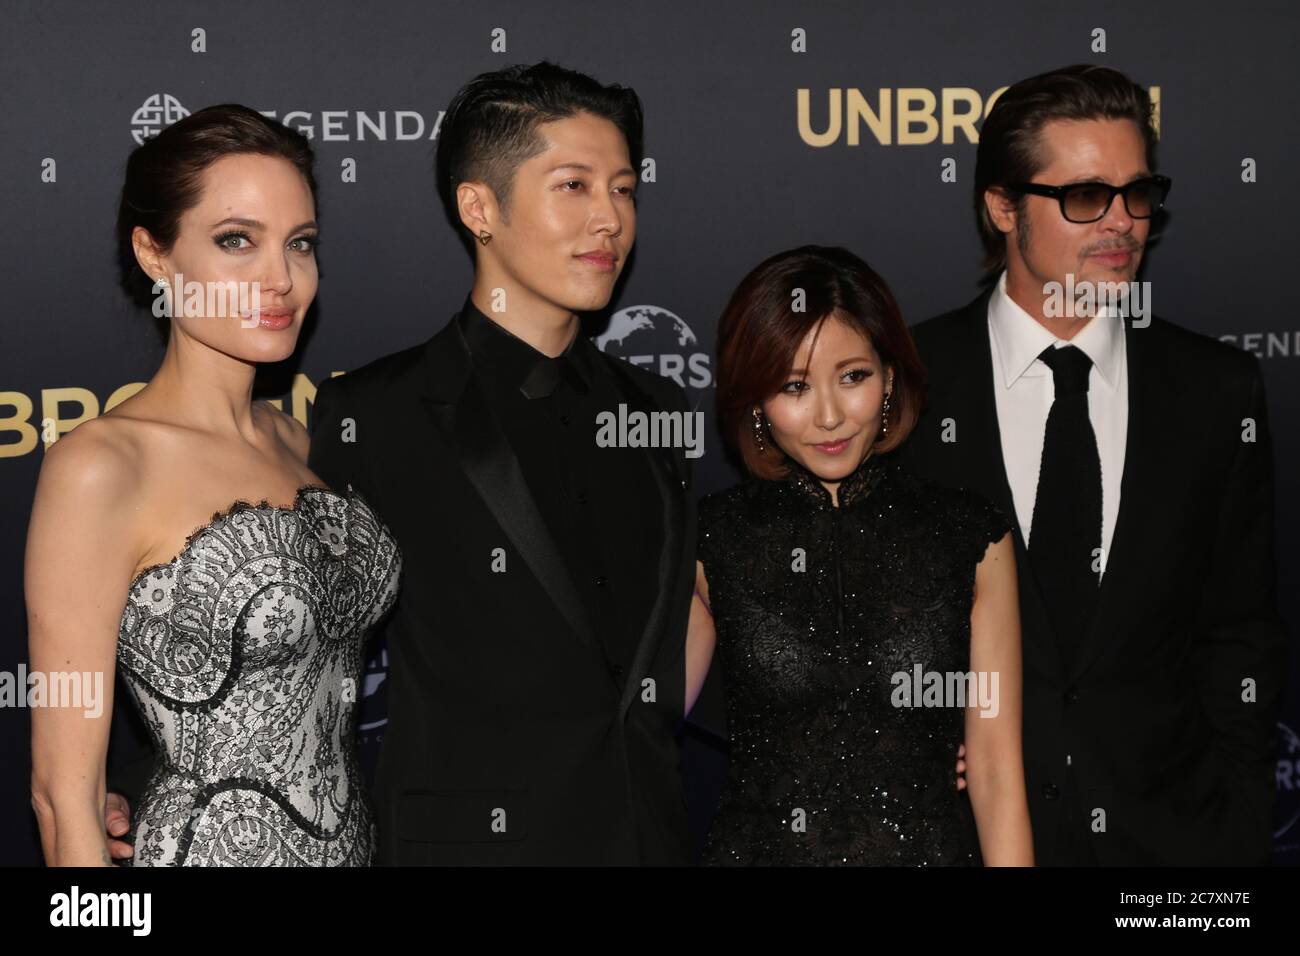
1136,459
536,652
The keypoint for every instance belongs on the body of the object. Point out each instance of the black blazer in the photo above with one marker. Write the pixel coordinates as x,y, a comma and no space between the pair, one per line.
509,740
1151,714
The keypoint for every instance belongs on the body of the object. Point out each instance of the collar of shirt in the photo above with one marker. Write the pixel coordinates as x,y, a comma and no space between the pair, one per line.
514,360
1021,339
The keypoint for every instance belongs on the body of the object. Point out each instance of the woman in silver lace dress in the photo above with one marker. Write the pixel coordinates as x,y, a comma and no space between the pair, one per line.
238,627
243,654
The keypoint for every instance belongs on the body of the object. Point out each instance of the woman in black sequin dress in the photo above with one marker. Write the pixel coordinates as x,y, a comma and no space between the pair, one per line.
866,622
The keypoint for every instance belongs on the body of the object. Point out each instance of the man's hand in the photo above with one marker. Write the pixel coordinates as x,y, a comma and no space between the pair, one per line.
961,767
117,820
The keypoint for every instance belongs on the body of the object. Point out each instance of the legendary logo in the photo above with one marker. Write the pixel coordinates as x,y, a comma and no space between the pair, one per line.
156,113
162,109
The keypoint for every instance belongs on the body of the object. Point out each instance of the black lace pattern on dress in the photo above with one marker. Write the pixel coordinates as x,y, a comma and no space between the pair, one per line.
243,654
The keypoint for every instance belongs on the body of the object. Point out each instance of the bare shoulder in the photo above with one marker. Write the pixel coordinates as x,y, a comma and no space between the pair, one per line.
289,429
1000,551
98,452
93,471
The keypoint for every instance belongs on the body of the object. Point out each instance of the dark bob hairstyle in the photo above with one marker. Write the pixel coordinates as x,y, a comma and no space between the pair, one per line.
759,336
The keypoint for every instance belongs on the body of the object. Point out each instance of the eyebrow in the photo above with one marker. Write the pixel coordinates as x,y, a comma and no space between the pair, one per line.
1098,179
847,361
583,167
254,224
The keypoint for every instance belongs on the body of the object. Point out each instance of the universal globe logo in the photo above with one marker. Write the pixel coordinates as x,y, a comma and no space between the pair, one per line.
658,340
154,115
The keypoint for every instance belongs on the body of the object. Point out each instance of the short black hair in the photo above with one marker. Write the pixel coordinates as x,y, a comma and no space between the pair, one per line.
490,127
1008,148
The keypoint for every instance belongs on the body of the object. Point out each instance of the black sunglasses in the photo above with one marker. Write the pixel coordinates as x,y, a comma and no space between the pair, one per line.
1088,202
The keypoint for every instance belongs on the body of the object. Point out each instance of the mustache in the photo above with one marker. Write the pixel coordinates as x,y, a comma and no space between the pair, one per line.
1128,246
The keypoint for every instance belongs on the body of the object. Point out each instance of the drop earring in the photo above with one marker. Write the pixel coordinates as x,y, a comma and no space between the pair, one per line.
758,430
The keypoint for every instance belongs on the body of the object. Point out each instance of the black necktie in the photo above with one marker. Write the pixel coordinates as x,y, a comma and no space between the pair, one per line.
1066,526
546,374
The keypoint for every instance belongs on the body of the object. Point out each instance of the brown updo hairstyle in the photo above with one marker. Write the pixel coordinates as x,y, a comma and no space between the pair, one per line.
759,336
164,178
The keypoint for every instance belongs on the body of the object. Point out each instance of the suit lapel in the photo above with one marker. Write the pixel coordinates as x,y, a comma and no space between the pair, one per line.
991,464
992,470
469,430
671,484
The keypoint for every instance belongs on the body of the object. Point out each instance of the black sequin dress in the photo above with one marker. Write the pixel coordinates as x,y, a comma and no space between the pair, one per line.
816,609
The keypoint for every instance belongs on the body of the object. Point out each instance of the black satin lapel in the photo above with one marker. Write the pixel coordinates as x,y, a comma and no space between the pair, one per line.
993,464
1143,450
663,466
487,459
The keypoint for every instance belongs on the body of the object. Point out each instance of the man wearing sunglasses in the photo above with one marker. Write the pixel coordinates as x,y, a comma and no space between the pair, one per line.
1136,459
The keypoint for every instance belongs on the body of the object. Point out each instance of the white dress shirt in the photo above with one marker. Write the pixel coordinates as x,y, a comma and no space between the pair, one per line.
1024,389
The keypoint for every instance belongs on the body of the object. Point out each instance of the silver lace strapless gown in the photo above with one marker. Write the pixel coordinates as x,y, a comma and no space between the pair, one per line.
244,656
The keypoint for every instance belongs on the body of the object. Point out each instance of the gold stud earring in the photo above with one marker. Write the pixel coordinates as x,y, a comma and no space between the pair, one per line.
484,237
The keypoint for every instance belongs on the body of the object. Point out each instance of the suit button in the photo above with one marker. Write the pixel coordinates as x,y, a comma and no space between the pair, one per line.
601,581
582,497
1050,791
1071,696
564,419
617,670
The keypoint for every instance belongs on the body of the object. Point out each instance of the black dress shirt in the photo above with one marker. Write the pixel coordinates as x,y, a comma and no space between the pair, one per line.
601,505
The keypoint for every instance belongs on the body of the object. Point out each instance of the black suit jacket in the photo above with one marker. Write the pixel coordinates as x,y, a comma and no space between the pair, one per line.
1151,714
509,739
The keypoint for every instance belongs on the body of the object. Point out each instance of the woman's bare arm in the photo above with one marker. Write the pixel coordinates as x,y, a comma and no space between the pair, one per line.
700,639
81,552
995,773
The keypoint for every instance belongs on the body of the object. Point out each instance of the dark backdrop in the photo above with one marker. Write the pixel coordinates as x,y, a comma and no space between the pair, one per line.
734,180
